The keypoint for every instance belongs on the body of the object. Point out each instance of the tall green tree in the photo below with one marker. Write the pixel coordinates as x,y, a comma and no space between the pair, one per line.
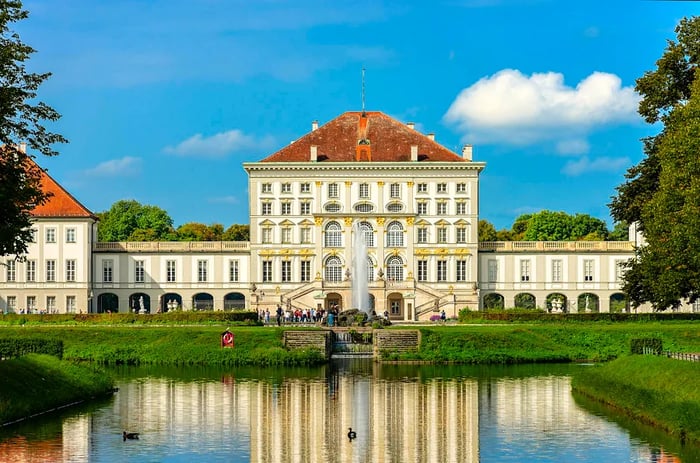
129,220
195,231
661,194
21,119
237,232
560,226
487,232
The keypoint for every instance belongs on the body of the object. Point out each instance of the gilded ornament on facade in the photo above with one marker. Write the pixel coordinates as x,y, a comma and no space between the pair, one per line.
319,221
319,183
380,221
380,184
410,184
409,221
348,183
348,221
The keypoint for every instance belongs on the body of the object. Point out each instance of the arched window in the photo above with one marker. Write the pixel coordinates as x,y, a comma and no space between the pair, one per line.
394,269
367,233
334,235
334,269
370,269
394,235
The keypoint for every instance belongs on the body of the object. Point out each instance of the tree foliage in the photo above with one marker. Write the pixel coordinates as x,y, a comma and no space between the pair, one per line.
129,220
551,226
21,119
662,193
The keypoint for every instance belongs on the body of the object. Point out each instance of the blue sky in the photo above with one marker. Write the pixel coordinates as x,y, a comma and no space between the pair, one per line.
163,100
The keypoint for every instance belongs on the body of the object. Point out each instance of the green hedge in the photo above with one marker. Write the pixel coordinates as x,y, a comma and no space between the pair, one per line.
175,317
538,315
18,347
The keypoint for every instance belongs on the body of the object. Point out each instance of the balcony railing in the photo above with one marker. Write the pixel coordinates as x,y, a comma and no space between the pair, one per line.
172,246
556,246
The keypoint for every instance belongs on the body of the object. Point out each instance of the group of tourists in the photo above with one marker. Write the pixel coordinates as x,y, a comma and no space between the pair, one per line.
299,316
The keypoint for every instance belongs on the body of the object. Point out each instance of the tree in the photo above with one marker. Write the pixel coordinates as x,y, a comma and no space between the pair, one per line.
560,226
20,122
662,194
487,232
129,220
194,231
237,232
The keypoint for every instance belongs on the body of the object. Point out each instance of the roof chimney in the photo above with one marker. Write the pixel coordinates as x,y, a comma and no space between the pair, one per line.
414,152
411,125
314,153
23,147
467,152
314,125
431,136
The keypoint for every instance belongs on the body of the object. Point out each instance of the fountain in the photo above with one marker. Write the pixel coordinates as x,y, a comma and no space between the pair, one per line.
359,287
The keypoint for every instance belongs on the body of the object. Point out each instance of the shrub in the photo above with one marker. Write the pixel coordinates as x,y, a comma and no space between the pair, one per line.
18,347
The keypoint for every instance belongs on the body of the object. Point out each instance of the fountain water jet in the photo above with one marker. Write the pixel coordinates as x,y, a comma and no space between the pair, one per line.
359,287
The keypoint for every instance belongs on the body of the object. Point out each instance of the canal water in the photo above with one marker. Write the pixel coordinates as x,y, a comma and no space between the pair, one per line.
400,413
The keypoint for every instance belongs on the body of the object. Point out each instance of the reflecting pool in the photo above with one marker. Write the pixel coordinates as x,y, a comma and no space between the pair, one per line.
400,413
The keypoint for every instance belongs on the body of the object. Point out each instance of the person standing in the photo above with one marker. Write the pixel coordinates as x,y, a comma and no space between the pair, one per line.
279,315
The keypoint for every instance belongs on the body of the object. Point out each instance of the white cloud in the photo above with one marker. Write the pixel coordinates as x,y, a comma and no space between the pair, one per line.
576,146
512,108
124,167
219,145
225,200
603,164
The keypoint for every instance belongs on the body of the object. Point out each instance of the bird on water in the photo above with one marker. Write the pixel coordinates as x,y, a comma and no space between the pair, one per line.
130,435
351,434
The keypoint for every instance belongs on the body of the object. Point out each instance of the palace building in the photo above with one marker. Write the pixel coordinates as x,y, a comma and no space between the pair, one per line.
414,202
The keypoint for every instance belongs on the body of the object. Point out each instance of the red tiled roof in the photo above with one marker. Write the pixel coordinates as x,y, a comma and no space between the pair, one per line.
60,202
390,141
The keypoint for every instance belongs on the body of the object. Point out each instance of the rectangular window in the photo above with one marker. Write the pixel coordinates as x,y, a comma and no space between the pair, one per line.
422,188
70,235
332,190
170,271
31,271
442,234
461,270
70,269
492,270
696,305
50,270
267,271
286,208
364,190
266,208
51,235
11,270
525,270
588,270
11,303
442,270
305,270
267,235
422,270
139,271
461,234
286,271
70,304
461,188
395,190
286,235
557,270
31,304
442,187
306,235
107,271
51,304
442,208
202,271
286,188
422,207
267,187
461,208
305,207
233,273
32,235
422,235
305,187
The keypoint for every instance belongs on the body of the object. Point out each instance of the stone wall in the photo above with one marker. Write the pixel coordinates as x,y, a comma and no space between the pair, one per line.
320,340
395,341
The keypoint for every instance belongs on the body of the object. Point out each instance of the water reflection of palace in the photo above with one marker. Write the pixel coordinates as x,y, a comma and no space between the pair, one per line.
302,421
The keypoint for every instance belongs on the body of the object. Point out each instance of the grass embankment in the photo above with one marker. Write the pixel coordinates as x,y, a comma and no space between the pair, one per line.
176,345
520,343
655,390
38,383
